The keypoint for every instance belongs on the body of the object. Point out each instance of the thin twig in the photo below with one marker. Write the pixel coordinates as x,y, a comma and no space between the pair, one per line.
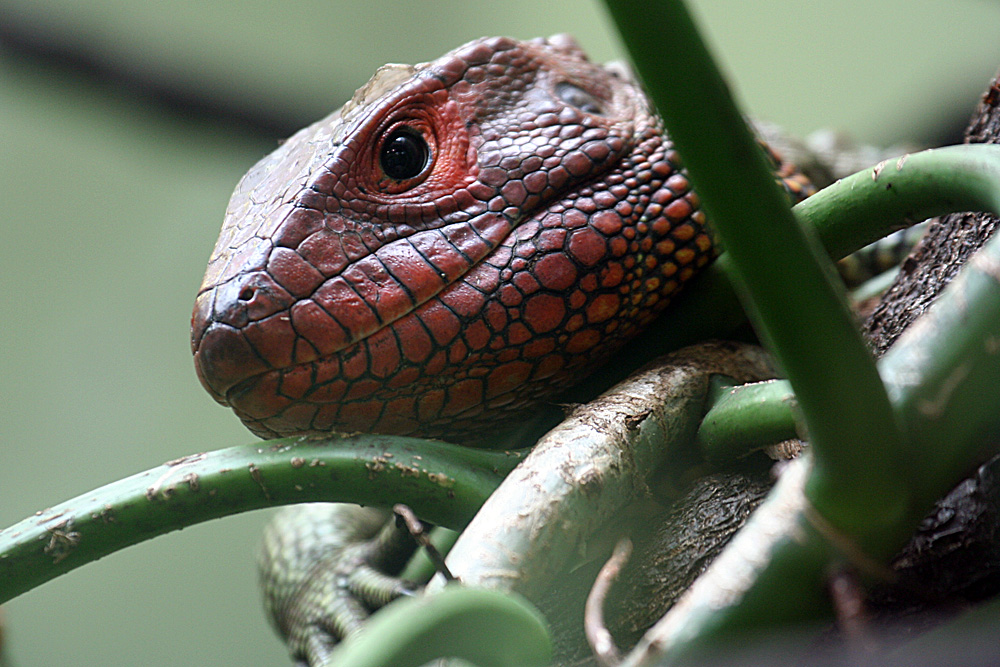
416,528
600,640
852,616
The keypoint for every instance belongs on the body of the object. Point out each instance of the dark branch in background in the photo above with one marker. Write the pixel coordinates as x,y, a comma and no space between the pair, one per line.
33,40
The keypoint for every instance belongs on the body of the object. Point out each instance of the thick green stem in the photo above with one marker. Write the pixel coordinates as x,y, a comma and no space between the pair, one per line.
444,484
782,275
942,376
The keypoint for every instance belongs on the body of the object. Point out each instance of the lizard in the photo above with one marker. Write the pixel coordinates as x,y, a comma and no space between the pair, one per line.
462,241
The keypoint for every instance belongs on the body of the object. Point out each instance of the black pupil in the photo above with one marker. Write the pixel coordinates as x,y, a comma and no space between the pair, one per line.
404,154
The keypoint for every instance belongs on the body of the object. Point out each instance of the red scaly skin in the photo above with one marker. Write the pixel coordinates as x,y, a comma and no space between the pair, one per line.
550,223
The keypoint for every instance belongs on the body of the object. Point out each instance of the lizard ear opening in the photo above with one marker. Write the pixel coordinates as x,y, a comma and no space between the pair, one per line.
576,96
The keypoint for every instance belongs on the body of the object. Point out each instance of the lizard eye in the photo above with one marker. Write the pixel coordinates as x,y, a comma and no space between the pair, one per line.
404,154
578,97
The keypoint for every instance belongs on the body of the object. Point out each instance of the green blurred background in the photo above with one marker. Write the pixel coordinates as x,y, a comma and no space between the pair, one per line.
112,201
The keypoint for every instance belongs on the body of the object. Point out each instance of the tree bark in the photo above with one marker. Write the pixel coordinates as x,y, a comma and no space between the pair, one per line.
949,242
953,559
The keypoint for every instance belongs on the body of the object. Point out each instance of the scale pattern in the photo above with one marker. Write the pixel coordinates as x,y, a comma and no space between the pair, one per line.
551,222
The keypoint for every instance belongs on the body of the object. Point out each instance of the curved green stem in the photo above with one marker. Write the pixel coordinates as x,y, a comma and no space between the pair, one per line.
897,193
745,418
444,484
487,628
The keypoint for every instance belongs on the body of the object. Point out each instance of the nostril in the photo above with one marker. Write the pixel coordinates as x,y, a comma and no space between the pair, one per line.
248,298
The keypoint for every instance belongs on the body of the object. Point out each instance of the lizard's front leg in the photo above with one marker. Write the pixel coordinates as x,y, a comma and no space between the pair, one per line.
324,567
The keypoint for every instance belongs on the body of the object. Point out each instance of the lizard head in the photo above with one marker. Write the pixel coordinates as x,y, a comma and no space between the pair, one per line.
452,241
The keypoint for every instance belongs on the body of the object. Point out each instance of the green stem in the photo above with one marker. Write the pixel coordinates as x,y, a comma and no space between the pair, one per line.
897,193
782,275
487,628
942,375
444,484
746,418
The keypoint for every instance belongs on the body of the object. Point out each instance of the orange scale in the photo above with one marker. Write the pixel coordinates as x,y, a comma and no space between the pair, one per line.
508,354
476,334
575,322
587,246
384,353
526,282
589,282
538,347
264,400
684,232
612,275
603,307
413,338
555,271
436,363
666,247
443,324
582,341
464,300
684,256
654,212
678,210
400,416
457,352
548,367
507,378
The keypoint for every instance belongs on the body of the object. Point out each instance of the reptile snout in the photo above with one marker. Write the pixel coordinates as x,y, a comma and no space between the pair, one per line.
226,331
